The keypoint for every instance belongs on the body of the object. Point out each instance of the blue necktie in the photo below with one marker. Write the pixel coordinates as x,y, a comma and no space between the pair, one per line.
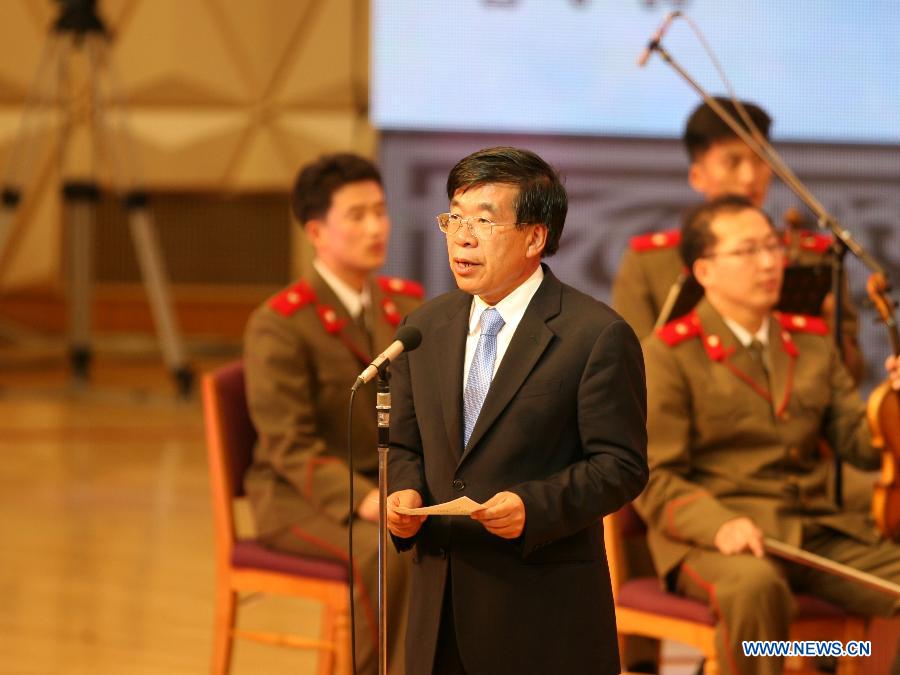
481,371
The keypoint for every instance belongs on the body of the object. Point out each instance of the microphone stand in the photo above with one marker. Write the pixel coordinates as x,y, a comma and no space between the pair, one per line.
839,251
383,409
779,168
843,240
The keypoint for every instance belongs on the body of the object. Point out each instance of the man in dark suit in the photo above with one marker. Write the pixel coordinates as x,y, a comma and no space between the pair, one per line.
528,397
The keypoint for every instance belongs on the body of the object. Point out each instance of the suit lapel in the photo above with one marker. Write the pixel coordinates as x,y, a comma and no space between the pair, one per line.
447,359
530,340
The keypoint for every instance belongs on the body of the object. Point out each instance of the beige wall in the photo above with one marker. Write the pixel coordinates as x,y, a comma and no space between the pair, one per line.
223,95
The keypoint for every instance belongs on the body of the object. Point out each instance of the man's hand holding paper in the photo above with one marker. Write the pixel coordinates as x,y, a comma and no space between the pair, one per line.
402,524
502,515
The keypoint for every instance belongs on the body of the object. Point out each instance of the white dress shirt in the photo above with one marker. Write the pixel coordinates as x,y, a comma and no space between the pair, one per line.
512,309
354,301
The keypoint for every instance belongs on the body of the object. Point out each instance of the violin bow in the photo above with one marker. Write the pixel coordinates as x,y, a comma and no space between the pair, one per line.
798,555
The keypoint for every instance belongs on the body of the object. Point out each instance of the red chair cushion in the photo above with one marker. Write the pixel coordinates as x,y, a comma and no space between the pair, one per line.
811,607
645,594
250,554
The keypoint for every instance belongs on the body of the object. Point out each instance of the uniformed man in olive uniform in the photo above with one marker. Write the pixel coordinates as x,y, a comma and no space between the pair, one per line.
738,396
720,163
651,271
303,349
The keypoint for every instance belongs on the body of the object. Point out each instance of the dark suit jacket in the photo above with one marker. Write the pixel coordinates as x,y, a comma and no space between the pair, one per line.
564,427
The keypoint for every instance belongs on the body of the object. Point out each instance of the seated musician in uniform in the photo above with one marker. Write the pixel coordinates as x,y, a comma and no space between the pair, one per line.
720,163
303,349
738,396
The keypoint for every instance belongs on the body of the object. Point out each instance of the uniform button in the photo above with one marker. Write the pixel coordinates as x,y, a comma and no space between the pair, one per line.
459,485
794,453
785,415
442,552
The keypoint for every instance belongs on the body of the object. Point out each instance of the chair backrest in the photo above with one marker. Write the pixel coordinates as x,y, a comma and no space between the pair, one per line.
230,438
626,547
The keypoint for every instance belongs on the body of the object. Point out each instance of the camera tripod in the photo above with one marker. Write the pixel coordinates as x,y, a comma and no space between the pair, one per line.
79,29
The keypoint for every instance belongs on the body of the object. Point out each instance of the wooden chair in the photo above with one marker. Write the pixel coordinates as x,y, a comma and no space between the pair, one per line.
243,565
643,608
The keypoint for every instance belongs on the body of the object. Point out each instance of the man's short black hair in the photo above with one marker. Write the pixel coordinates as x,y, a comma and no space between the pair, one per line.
704,127
542,198
319,180
696,227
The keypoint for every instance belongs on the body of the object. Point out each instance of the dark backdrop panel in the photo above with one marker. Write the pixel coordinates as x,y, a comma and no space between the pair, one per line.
622,187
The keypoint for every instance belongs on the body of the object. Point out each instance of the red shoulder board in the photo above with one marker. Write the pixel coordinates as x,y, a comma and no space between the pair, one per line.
802,323
655,240
391,313
401,287
329,319
677,331
813,241
293,298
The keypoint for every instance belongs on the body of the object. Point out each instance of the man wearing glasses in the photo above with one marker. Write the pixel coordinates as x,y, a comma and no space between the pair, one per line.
527,397
738,397
650,272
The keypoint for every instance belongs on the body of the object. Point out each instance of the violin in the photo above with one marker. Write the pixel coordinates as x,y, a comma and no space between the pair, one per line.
884,421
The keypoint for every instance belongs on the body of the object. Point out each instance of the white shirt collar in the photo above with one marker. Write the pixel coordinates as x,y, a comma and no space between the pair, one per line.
352,300
744,336
512,307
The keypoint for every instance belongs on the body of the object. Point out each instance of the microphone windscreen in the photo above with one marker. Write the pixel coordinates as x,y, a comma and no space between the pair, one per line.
410,336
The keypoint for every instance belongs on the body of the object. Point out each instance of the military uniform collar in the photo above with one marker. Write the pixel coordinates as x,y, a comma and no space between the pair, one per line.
336,318
744,336
352,300
724,347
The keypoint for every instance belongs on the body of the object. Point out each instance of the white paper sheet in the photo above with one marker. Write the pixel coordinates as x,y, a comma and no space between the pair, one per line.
458,507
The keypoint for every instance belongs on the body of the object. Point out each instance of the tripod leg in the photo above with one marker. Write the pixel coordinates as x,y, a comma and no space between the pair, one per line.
146,246
140,222
42,91
81,201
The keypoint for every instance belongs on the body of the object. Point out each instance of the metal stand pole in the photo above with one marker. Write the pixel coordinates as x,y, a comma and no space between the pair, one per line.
383,408
81,201
839,252
146,246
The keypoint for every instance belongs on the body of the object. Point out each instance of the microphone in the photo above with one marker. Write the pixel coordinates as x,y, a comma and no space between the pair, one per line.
406,339
657,36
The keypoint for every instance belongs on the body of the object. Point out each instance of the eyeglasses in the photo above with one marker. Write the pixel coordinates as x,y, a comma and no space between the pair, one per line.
481,228
751,252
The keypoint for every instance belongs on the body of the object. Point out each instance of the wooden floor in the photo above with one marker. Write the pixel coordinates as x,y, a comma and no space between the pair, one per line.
105,531
105,528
